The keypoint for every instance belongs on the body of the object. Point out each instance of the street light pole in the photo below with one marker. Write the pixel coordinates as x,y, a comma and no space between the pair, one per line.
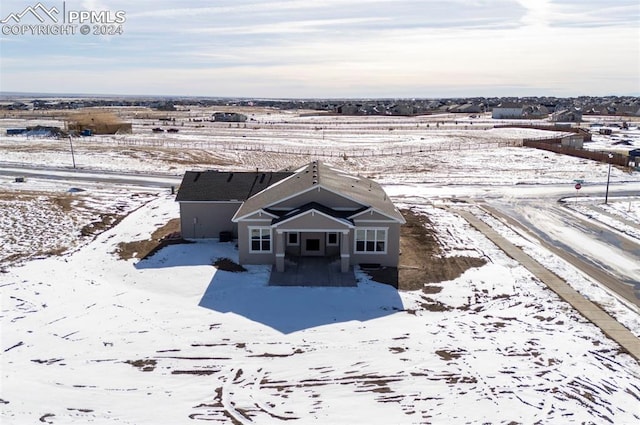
606,194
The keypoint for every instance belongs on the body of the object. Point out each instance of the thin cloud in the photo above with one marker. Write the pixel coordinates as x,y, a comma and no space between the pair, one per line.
338,48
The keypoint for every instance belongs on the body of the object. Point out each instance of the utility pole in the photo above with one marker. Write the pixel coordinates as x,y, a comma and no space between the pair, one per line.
606,194
73,158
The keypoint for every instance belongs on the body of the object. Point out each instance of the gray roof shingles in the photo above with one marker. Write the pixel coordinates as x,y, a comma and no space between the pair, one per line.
211,185
364,191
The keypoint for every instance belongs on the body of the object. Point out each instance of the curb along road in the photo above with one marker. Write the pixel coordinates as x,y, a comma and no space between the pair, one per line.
611,327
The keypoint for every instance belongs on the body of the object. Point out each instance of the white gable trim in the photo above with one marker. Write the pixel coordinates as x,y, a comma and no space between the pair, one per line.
344,223
231,201
315,187
259,212
373,210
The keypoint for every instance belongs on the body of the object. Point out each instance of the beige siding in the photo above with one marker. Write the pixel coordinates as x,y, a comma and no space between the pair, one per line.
312,221
292,249
322,196
211,218
391,258
368,216
244,244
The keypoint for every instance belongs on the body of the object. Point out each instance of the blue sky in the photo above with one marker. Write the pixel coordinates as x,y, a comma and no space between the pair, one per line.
336,48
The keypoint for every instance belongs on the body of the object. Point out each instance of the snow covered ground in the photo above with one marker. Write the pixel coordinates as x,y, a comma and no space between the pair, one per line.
41,218
98,339
90,338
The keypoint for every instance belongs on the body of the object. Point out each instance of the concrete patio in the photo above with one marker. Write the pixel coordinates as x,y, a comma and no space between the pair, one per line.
312,271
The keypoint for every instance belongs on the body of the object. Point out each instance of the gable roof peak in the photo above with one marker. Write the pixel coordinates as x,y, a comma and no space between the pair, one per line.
316,174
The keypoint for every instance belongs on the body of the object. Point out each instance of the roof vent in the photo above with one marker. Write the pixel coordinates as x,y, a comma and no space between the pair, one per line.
315,181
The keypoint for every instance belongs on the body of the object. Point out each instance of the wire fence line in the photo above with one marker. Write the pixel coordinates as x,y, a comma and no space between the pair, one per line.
326,151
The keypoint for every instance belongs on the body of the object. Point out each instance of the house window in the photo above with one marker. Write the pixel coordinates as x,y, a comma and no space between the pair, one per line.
293,238
332,239
260,239
371,240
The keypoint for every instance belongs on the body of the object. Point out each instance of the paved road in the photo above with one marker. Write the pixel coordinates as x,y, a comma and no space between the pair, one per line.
610,326
601,252
627,291
85,175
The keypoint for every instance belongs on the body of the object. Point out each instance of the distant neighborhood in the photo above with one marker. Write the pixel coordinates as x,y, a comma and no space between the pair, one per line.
558,109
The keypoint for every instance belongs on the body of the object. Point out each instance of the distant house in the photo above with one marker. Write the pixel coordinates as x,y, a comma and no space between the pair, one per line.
508,110
468,108
401,109
535,112
567,115
634,158
348,109
229,117
315,211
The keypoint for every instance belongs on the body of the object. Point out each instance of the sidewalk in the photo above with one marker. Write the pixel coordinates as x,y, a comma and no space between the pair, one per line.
611,327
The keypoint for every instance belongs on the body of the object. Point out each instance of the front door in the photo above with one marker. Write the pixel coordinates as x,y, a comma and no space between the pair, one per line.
313,244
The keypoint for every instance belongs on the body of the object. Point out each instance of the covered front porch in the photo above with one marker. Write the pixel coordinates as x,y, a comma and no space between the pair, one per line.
312,233
312,271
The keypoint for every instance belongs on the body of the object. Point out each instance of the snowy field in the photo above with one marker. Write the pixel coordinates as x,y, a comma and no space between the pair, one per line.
90,338
97,339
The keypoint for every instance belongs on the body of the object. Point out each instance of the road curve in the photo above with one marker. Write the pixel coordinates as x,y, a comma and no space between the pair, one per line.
627,292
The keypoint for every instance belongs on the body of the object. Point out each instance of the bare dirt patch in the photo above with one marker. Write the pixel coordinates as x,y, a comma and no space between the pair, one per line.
448,355
168,234
106,222
421,261
145,365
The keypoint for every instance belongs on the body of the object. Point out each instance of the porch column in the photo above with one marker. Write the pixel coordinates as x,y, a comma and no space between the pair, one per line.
345,258
279,251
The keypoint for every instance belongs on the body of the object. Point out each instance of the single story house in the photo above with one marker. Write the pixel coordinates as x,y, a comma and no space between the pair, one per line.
567,115
316,210
508,110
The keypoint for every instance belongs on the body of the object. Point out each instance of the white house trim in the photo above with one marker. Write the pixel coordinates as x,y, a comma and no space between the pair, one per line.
374,252
316,187
373,210
315,211
271,241
259,211
231,201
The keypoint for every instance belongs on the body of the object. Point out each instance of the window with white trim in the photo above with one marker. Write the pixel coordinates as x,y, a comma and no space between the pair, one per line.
259,239
293,238
371,240
332,239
